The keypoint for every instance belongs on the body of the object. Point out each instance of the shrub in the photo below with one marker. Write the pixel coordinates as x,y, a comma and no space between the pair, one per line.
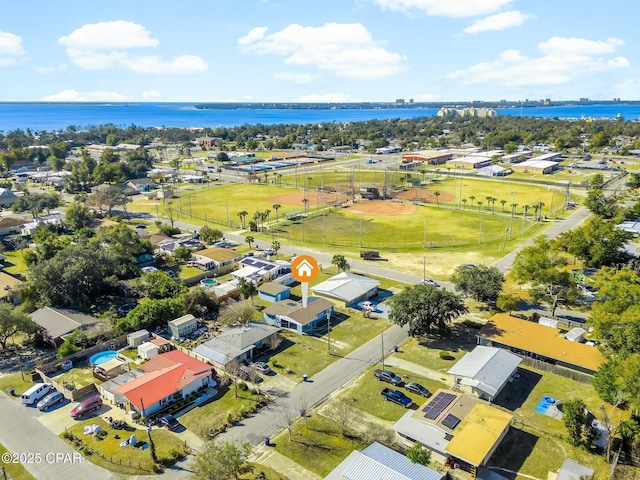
243,386
444,355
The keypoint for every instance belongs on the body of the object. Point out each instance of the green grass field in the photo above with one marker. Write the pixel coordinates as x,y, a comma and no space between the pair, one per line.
15,471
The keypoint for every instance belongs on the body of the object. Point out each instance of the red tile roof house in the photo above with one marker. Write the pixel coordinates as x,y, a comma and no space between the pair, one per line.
168,378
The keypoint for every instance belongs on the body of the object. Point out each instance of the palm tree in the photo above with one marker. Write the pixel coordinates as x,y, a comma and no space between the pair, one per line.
437,194
275,246
305,201
266,176
464,203
267,212
503,202
539,205
242,216
249,239
472,198
263,216
479,205
276,207
513,208
279,175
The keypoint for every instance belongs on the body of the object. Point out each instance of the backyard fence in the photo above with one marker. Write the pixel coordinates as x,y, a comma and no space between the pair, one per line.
557,370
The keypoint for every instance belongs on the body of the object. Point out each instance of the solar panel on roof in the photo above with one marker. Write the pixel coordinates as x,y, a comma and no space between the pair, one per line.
451,421
436,406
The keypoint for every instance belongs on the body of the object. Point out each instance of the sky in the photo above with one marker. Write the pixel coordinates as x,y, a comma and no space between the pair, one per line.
319,50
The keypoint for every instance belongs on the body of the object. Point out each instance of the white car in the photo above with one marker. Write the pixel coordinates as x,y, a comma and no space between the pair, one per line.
429,281
149,269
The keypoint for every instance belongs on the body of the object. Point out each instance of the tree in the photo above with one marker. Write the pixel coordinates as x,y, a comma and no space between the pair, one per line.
210,235
437,195
276,207
108,198
597,243
223,461
345,416
248,289
340,262
275,246
426,309
249,239
236,313
157,285
151,314
418,454
199,303
12,322
77,216
182,254
574,419
507,303
604,381
482,282
601,204
540,266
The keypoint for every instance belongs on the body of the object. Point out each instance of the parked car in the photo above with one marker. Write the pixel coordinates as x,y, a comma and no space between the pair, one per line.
50,400
417,388
429,281
262,368
246,374
388,376
396,396
168,421
86,406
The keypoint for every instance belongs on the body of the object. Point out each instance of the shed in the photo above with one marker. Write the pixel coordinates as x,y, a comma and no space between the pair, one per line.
576,334
273,292
548,322
147,350
137,338
572,470
183,326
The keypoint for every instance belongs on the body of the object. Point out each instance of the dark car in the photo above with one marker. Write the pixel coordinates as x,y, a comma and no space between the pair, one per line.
86,406
50,400
417,388
168,421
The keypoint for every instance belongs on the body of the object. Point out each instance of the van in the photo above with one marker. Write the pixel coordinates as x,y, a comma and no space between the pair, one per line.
35,393
86,406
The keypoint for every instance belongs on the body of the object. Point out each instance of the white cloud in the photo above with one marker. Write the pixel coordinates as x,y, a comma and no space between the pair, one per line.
325,98
562,46
253,35
445,8
51,69
297,78
75,96
117,35
10,48
99,46
567,61
499,21
151,95
346,50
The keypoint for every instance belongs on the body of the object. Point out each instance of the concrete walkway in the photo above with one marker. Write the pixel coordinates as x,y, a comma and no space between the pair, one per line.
283,465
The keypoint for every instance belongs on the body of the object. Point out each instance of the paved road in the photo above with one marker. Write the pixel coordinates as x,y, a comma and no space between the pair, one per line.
309,394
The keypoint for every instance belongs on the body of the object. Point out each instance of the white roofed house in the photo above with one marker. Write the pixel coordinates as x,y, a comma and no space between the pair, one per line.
7,197
347,287
484,371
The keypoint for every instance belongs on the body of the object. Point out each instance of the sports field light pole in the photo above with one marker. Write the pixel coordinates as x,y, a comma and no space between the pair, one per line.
481,217
513,201
424,234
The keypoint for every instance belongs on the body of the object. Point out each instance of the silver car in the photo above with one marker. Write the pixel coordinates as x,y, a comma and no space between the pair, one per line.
50,400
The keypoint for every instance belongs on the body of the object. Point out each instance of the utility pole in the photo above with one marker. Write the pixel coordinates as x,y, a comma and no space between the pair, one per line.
424,267
382,343
424,234
481,217
329,331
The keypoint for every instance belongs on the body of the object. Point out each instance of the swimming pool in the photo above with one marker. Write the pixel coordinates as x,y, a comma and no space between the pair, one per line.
102,357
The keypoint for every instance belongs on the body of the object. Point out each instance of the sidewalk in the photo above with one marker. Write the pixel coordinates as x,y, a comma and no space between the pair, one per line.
283,465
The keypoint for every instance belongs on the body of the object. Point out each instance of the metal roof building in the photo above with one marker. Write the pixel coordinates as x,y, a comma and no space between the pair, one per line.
347,287
379,462
485,371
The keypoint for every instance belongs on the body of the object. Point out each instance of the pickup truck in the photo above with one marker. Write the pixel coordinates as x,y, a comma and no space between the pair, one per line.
396,396
389,377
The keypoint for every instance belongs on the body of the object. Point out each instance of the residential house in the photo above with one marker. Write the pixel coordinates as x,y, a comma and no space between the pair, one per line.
236,344
166,247
380,462
258,270
484,371
273,292
11,225
539,342
347,287
455,427
145,260
183,326
292,315
53,219
215,257
139,185
161,381
7,197
55,324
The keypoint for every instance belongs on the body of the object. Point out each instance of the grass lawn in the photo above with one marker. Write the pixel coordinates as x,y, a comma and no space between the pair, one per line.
15,471
213,415
301,355
131,353
355,330
81,377
15,262
14,380
318,447
188,272
128,460
366,394
412,351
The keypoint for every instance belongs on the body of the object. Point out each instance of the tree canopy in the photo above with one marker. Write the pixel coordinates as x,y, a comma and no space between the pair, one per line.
341,262
482,282
158,285
426,309
223,461
14,321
